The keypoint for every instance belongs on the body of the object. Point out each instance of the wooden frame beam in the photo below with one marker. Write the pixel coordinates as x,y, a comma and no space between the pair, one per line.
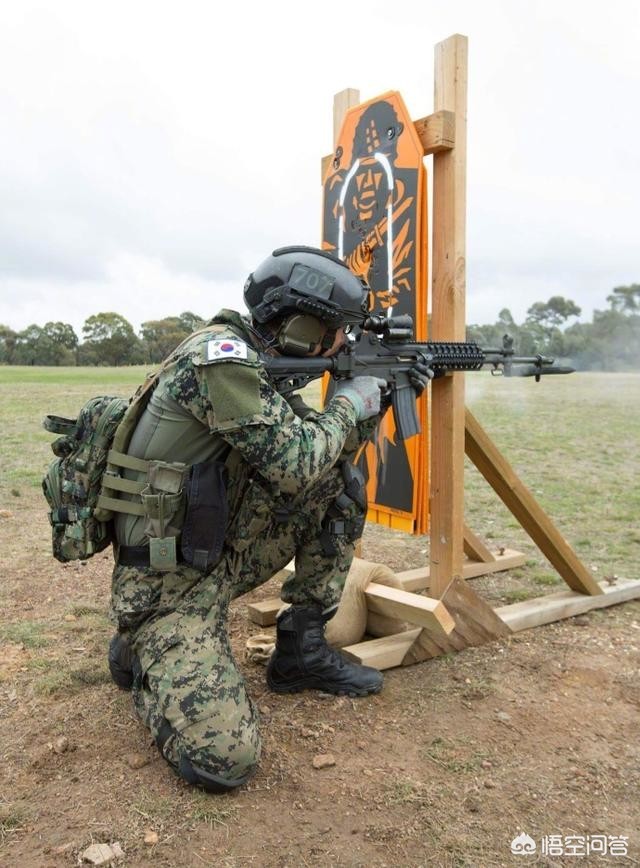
424,612
454,431
401,648
448,319
264,612
420,578
397,603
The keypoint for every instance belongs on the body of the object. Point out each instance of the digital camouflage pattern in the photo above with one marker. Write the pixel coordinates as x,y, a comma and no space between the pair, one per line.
73,480
282,480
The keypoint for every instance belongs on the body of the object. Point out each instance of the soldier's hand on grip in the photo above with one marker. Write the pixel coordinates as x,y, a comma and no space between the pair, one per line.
419,377
364,393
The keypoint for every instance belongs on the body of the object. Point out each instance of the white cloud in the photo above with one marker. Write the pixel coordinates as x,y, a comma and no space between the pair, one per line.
152,153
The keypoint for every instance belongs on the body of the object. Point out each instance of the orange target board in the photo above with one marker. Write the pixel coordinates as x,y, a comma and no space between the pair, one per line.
375,219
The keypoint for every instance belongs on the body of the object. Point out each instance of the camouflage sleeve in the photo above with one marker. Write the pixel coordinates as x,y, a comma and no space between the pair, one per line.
358,435
291,453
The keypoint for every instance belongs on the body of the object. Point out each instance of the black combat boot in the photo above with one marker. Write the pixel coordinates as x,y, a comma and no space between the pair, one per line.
303,660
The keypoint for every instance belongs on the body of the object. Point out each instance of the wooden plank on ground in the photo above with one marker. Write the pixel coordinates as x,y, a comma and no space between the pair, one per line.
425,612
566,604
419,578
448,318
264,612
517,497
383,653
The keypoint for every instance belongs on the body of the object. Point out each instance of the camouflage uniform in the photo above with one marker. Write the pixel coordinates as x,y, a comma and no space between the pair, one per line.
282,479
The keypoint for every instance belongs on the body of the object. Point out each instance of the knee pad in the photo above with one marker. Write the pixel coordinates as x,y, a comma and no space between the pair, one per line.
199,777
193,773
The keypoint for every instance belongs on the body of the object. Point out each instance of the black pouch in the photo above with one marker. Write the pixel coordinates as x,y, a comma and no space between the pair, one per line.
347,514
206,517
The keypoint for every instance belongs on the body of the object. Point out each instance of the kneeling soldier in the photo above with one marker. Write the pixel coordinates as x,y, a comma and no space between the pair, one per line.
238,481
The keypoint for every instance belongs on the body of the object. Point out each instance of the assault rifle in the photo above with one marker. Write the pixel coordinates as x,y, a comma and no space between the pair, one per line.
385,349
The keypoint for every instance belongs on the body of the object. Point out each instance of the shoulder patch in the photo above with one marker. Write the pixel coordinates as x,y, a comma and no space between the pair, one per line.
225,348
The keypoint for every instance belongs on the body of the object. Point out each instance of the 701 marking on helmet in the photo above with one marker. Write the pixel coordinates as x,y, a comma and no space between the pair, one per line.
304,278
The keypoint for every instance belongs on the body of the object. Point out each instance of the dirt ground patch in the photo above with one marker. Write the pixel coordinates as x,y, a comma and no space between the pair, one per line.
445,767
537,734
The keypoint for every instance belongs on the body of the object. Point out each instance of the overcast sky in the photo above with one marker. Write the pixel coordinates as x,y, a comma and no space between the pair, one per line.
152,153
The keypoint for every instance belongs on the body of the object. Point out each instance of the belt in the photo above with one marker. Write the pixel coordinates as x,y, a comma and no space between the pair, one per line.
136,556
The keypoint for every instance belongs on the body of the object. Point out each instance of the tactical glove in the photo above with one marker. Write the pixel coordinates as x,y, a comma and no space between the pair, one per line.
363,393
419,377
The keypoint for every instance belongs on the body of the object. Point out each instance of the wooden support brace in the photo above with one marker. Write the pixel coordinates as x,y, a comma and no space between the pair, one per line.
423,611
437,132
413,646
475,624
475,549
264,612
517,497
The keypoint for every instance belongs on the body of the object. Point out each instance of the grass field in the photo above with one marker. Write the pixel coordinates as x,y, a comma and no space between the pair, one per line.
425,774
574,440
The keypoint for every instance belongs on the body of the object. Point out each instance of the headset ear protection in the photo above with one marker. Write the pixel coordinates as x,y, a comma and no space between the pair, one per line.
300,334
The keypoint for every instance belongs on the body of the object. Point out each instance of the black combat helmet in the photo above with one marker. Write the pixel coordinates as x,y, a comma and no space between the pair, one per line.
306,280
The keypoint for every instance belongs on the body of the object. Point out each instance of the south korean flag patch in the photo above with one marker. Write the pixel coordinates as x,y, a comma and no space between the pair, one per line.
226,348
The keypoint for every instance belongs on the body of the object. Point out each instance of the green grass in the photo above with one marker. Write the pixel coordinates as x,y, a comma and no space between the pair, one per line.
204,809
547,579
573,441
27,633
518,595
61,377
52,682
448,755
12,819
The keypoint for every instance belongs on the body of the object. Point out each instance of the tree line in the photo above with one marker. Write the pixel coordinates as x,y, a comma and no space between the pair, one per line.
610,342
109,339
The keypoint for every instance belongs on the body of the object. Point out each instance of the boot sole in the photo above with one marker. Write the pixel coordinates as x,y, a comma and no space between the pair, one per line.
299,686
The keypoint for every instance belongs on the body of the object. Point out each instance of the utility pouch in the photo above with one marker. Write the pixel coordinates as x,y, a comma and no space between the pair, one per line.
205,522
163,502
162,554
347,514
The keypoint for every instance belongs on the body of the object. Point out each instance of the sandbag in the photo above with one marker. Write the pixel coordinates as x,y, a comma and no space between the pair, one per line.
352,620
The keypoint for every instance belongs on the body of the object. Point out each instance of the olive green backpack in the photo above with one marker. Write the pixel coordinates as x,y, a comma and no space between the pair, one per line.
75,485
82,483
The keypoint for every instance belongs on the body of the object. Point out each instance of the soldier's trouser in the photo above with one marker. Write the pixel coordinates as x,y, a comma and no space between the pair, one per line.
187,689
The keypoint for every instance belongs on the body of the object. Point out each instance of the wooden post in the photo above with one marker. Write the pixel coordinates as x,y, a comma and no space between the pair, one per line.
342,102
448,319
